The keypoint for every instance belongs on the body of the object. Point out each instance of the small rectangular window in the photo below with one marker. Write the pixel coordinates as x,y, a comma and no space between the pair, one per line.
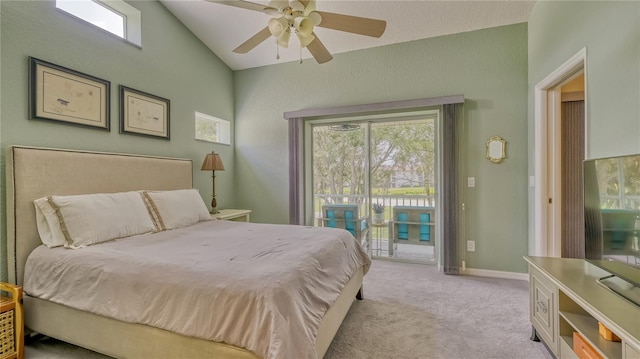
114,16
212,129
95,13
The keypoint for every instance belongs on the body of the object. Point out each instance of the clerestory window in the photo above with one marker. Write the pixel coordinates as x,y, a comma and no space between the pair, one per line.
212,129
114,16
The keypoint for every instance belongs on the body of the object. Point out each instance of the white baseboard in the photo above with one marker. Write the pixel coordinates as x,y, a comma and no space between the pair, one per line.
495,274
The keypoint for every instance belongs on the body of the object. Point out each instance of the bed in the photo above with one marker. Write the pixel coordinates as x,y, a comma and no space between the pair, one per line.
36,172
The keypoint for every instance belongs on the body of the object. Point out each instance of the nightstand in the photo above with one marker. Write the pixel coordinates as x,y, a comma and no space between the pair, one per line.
238,215
11,325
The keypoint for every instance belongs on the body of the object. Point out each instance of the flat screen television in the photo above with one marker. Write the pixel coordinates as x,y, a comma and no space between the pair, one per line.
612,221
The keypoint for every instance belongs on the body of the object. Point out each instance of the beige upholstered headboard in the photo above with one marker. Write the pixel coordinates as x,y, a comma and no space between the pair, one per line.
37,172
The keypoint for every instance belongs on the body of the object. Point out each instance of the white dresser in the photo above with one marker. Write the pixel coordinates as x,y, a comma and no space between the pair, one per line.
565,298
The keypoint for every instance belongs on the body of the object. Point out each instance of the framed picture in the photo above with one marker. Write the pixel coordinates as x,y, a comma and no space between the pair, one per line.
60,94
143,114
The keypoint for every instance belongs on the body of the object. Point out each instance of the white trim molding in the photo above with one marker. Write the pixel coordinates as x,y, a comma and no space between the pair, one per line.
495,274
545,119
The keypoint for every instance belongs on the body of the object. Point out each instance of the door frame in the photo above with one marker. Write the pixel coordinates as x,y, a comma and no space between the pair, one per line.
368,121
547,117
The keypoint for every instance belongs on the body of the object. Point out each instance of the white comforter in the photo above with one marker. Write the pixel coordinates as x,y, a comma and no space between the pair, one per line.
262,287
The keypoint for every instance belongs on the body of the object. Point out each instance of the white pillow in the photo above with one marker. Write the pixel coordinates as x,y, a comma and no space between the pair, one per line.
47,222
175,209
94,218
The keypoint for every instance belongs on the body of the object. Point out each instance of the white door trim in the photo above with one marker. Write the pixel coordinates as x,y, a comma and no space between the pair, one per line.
546,121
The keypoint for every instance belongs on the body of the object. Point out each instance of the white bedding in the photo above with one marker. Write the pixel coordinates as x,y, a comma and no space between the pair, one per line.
258,286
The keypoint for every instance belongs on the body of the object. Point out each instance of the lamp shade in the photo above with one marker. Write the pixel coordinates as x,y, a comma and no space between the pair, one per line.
283,39
304,25
212,162
277,26
305,40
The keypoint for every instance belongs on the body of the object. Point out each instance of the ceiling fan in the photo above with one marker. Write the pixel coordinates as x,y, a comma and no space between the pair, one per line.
299,17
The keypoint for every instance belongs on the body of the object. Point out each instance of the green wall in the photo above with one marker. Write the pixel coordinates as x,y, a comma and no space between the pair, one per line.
610,31
488,67
172,63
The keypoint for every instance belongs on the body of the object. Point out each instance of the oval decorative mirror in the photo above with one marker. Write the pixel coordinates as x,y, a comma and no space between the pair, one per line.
496,149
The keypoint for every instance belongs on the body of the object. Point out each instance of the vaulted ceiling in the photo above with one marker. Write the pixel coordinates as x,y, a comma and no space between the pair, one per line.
222,28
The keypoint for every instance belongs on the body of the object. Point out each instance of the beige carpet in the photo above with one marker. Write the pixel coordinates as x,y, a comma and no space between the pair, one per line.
411,311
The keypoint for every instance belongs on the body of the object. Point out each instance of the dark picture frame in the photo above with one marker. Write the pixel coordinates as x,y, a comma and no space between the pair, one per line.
144,114
57,93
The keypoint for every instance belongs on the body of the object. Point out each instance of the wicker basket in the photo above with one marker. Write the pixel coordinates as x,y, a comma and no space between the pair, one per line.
11,325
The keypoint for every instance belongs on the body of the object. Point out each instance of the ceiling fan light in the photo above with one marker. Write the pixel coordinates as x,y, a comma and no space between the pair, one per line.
305,40
277,26
311,6
315,17
283,39
296,5
272,11
303,25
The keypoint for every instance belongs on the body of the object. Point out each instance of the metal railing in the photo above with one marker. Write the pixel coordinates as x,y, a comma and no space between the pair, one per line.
378,242
389,201
620,202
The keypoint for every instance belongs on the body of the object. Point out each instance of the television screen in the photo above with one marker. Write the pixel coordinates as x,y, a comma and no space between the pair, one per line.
612,215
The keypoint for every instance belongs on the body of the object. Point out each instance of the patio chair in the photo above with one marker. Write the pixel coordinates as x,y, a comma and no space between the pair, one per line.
412,225
346,216
619,229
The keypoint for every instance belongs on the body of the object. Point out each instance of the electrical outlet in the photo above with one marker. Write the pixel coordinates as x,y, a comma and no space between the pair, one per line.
471,246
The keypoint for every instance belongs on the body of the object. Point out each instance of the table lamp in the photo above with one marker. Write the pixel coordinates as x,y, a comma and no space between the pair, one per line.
213,162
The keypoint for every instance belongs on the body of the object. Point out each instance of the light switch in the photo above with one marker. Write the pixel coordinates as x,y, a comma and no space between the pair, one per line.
471,181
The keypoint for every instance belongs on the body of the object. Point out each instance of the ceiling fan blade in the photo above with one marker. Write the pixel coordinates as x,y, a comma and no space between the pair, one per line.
353,24
241,4
254,41
319,52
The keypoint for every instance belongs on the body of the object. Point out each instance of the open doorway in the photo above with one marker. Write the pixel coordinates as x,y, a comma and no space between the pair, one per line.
572,154
560,147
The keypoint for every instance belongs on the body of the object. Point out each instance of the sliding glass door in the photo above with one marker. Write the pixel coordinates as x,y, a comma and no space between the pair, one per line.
378,179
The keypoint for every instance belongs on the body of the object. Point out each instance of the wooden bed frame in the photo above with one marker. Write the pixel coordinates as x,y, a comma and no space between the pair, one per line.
37,172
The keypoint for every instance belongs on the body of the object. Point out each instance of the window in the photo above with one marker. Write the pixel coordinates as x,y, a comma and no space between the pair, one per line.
114,16
450,197
212,129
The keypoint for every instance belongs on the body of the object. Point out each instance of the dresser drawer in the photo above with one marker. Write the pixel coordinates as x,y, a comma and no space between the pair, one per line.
583,349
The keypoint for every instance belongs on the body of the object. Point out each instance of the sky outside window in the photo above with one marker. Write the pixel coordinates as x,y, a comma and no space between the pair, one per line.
95,13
